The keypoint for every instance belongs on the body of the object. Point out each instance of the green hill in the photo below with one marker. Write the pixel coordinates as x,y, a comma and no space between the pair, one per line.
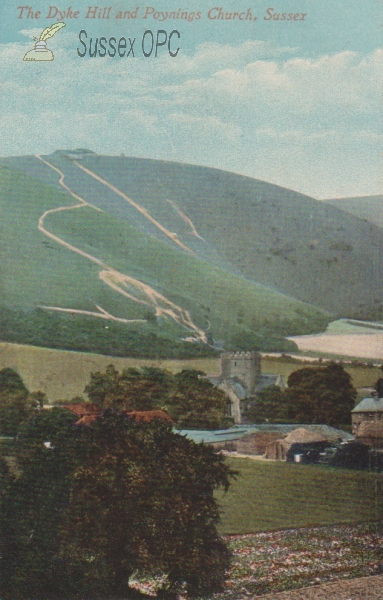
87,279
280,239
364,207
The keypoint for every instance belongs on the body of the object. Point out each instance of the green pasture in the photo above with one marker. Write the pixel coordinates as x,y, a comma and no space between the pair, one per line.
63,374
275,495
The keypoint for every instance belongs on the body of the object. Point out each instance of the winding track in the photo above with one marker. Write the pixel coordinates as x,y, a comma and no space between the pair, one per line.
186,218
119,282
172,236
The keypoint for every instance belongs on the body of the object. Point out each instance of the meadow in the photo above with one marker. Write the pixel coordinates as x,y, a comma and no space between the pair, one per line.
69,372
272,495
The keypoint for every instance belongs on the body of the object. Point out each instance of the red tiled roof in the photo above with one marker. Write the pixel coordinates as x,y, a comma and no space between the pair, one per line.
86,408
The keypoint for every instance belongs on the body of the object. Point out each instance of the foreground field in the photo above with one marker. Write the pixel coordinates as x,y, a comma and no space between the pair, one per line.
274,495
291,526
295,558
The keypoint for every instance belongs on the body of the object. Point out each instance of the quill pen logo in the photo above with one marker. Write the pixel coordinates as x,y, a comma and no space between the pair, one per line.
40,51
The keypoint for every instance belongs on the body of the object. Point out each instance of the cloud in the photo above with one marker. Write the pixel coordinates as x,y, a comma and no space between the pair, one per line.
306,123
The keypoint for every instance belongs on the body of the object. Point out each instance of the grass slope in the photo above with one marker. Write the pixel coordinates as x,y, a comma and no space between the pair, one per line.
281,239
38,271
272,235
225,301
276,495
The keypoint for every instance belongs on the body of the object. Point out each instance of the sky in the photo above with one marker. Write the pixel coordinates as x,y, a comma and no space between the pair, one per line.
296,103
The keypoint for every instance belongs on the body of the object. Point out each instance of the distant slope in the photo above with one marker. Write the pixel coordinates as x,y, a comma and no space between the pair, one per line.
91,266
285,241
364,207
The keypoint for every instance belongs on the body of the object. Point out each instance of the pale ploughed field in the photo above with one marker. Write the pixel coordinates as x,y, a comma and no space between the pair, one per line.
345,339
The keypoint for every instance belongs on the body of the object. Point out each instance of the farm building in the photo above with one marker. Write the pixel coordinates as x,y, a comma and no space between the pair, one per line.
279,449
254,439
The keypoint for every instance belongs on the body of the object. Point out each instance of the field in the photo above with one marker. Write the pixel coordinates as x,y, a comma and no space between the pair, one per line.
288,526
69,372
345,338
275,495
266,563
369,345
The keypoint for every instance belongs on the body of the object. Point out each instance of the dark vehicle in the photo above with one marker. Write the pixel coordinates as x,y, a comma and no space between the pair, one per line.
308,453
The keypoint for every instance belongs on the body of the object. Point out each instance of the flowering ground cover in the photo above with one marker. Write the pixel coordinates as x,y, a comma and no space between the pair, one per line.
290,559
278,520
294,558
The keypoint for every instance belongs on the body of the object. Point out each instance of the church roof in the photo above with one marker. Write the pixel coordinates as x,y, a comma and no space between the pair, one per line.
237,387
266,380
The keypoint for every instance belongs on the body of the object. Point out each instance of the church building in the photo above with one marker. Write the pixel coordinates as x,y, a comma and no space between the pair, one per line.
241,379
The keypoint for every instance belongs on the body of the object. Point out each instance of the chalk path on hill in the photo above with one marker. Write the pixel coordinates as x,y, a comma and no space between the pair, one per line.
138,291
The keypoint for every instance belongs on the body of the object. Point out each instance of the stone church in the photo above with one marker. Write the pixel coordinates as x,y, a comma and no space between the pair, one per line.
241,379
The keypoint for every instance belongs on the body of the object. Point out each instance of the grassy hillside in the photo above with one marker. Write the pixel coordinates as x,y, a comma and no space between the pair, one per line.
155,278
273,236
364,207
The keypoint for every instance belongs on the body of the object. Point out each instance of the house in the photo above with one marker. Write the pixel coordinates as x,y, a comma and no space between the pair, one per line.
369,410
88,413
241,379
83,409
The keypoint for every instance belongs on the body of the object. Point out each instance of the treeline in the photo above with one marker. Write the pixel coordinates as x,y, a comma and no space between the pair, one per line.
323,394
188,397
80,333
86,334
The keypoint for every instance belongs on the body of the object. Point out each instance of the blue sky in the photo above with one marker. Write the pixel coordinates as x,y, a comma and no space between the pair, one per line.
293,103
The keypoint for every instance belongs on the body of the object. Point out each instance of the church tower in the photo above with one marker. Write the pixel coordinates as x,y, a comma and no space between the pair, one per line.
244,366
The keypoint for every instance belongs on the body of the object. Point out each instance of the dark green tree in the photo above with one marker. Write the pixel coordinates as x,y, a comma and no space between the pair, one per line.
133,389
320,395
270,406
190,398
196,404
104,502
32,509
14,402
